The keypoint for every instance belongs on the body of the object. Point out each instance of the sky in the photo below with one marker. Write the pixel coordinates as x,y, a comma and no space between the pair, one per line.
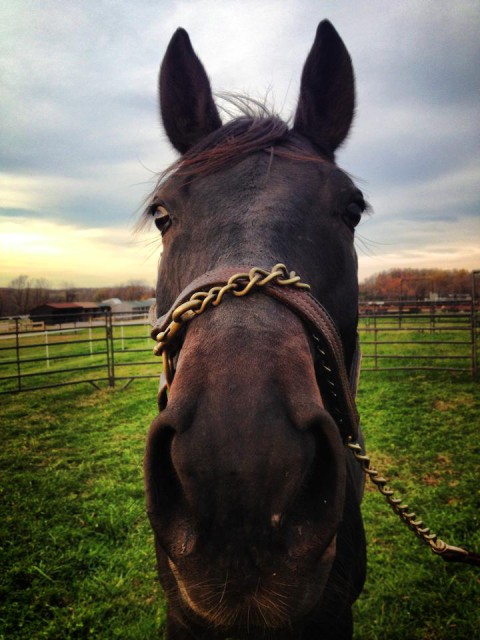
81,141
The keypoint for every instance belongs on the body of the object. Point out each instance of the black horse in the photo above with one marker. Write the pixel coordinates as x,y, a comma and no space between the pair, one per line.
253,497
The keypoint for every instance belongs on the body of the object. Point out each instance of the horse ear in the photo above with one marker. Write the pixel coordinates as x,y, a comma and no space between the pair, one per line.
186,102
327,92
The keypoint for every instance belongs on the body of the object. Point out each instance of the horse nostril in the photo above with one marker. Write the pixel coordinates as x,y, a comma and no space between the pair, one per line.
168,512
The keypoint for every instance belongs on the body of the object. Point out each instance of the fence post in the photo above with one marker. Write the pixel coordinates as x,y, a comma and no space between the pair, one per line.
473,323
17,350
111,379
375,337
47,351
109,346
90,336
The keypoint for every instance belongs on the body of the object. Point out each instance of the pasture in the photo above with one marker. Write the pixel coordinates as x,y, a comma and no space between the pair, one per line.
77,550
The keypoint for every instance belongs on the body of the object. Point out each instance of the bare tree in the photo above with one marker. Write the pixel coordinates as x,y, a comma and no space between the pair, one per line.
20,294
40,292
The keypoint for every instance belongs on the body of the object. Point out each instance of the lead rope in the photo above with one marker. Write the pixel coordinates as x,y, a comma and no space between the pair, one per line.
240,285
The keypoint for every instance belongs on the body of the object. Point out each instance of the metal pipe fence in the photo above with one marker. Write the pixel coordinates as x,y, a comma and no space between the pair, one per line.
108,348
428,341
102,349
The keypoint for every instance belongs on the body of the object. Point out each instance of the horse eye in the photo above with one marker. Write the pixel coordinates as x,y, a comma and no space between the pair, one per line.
353,214
161,217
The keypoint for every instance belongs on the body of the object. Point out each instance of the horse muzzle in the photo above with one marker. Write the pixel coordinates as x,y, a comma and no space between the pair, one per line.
245,468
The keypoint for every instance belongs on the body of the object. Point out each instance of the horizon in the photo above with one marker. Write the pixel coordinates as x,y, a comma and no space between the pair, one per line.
142,283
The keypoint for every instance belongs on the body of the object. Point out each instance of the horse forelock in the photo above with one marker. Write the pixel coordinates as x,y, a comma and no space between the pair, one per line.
255,130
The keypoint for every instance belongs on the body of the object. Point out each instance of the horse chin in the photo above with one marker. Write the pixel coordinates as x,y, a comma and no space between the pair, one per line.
269,600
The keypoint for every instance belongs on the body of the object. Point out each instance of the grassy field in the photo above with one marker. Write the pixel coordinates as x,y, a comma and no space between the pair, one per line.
77,553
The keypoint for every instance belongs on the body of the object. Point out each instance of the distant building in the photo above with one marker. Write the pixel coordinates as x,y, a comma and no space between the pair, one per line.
110,303
131,309
91,307
62,312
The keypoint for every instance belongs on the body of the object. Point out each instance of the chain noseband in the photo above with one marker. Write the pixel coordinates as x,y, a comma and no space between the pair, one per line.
336,386
334,382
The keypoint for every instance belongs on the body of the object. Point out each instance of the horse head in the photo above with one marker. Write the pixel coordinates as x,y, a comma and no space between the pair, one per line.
251,496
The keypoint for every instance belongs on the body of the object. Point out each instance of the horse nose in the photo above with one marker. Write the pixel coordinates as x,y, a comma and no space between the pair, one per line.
244,448
282,489
241,467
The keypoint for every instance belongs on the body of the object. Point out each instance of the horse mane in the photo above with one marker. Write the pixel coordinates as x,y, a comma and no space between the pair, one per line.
256,129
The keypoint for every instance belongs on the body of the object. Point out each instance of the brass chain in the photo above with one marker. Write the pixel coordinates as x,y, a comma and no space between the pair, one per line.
240,284
402,510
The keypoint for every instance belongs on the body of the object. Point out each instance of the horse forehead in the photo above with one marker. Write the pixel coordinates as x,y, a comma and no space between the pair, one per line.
260,185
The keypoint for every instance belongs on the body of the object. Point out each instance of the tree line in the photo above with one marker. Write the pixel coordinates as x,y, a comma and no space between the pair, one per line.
416,284
24,293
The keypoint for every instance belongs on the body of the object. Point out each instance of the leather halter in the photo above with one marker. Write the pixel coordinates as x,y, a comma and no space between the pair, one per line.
338,388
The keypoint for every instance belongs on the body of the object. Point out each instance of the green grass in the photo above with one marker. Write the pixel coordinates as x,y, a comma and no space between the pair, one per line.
422,432
75,542
77,551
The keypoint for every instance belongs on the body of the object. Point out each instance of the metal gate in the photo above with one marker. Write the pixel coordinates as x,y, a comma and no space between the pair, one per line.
101,350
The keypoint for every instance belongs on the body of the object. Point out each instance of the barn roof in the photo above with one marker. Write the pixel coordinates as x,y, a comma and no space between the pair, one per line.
69,305
61,305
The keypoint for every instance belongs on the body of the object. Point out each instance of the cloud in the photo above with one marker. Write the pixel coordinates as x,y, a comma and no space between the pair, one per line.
81,138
